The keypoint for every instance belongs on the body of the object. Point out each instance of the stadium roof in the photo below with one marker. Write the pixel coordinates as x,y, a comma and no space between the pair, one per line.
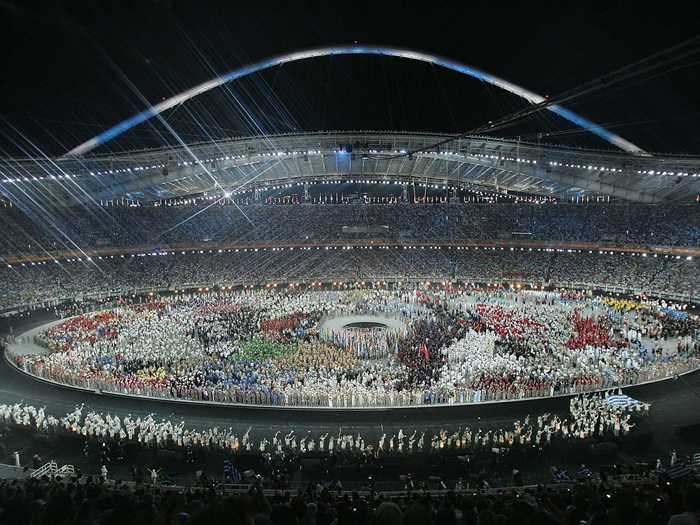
230,165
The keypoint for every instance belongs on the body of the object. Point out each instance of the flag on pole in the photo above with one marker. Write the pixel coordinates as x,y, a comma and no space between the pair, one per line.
621,400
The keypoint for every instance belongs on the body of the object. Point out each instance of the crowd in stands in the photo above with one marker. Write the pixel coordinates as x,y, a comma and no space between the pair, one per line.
49,283
267,347
150,226
42,502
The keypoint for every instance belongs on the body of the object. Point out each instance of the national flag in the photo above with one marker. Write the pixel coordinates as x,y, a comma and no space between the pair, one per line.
621,400
424,351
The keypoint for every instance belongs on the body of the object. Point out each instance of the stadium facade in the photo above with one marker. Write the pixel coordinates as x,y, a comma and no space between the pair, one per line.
479,161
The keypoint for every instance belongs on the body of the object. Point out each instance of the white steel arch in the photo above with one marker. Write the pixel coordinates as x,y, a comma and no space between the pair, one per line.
447,63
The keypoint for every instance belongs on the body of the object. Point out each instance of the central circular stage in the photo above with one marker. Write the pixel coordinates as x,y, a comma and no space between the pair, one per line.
361,321
365,324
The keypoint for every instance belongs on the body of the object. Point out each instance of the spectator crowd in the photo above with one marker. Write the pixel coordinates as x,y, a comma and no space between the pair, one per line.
47,284
148,226
42,502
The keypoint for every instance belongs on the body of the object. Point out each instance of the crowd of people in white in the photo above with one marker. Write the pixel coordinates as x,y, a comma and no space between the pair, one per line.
589,416
264,347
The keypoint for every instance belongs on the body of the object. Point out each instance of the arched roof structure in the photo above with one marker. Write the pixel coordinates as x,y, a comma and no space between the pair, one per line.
295,56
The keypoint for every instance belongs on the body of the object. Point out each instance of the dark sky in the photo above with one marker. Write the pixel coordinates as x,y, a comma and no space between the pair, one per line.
70,69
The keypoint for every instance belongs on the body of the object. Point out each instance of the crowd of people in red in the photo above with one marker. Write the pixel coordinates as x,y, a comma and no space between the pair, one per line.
507,322
592,333
282,324
86,327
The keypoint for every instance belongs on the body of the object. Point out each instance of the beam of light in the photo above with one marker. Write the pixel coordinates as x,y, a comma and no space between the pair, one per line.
169,128
236,188
188,219
40,197
180,141
447,63
31,199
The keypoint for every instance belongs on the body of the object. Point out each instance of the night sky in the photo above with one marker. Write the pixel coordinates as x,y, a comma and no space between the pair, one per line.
71,69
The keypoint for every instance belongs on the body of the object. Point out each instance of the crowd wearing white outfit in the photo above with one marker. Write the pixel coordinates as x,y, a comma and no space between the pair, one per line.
589,416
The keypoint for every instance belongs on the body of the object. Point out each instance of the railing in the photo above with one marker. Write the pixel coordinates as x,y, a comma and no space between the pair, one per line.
49,469
401,489
65,471
52,470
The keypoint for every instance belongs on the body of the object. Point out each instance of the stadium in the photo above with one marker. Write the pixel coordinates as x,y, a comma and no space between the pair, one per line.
424,326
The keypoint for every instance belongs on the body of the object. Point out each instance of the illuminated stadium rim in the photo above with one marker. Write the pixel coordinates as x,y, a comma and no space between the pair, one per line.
679,252
447,63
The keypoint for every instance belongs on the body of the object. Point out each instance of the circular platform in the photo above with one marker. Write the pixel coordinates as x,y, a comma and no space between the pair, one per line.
361,321
365,324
